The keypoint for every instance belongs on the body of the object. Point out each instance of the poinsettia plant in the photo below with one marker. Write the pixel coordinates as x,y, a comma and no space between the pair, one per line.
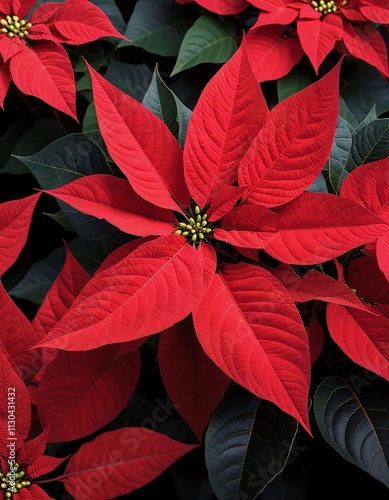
194,273
287,31
31,47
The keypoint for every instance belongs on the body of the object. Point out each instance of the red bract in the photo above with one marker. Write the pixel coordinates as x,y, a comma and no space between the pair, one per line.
239,184
285,31
31,52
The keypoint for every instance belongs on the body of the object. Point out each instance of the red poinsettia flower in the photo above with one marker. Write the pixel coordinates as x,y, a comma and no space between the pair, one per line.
17,474
239,186
285,31
31,53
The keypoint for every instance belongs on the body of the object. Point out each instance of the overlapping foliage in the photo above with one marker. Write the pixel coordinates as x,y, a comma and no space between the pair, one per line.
195,276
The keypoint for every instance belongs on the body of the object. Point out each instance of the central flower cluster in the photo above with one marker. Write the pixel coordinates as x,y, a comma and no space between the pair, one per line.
327,7
13,481
196,227
13,26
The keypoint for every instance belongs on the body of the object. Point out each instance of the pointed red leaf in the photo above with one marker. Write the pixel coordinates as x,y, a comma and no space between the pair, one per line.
362,336
368,185
300,232
68,284
15,220
77,385
201,384
22,7
318,37
218,135
120,461
272,52
8,47
224,201
33,449
122,252
365,42
46,72
15,405
79,21
17,335
141,145
249,326
316,286
293,145
157,285
43,465
113,199
33,492
275,12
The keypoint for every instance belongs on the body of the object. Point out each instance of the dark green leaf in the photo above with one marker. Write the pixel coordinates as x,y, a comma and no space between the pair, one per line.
370,144
339,154
356,427
247,444
161,101
157,26
210,39
66,159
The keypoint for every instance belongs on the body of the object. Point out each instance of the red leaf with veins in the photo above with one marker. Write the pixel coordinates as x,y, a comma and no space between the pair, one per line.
79,22
17,335
272,52
315,285
68,284
362,336
293,145
300,233
15,219
34,448
368,185
222,126
46,72
113,199
201,384
121,461
43,465
365,42
249,326
141,145
76,385
157,285
318,37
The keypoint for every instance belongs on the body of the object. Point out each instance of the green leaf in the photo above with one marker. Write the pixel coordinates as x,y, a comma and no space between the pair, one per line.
339,154
356,427
210,39
247,444
66,159
110,8
157,26
161,101
89,122
319,185
370,144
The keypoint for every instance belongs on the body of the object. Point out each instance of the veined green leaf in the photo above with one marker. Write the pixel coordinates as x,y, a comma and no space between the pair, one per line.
208,40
